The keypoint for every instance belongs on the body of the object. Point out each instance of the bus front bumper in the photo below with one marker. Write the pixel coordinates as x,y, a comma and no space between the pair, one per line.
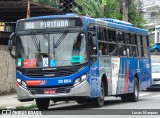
81,90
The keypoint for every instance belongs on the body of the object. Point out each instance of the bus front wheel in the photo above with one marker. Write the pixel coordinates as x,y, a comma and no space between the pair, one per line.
42,104
99,101
134,96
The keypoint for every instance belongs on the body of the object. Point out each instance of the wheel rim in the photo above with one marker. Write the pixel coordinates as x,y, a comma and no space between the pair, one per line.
102,94
156,51
136,90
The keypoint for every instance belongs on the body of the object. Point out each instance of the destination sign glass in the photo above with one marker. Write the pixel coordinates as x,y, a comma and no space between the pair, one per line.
49,23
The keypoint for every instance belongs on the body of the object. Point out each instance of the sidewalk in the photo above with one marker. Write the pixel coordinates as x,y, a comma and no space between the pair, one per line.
11,102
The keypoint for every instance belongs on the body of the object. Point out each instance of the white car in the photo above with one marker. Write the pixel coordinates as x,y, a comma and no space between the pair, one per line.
155,71
155,75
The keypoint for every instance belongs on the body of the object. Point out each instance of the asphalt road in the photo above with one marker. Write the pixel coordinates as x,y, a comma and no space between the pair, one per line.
148,106
149,103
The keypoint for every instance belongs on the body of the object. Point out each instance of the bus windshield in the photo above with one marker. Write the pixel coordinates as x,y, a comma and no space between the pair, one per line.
50,50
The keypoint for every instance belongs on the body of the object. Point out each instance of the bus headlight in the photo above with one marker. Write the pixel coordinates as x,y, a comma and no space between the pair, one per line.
81,79
24,84
77,81
19,81
84,77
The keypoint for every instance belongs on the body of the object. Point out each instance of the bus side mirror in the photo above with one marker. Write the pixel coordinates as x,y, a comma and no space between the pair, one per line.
10,44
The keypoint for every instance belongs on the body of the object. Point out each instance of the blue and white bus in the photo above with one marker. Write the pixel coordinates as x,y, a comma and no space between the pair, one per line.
71,57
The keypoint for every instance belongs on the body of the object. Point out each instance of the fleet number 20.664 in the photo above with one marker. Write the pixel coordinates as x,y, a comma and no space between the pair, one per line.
64,81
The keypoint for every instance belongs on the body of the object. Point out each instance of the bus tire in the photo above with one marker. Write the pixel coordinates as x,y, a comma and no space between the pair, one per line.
156,51
134,96
125,98
80,101
99,101
42,104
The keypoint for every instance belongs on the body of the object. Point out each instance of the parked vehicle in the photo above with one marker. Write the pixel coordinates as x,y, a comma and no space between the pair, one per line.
155,48
155,62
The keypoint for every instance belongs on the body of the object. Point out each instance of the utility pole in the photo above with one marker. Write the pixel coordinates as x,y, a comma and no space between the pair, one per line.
28,8
125,10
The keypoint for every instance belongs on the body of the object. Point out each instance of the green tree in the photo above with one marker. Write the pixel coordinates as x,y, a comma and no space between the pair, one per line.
110,9
52,3
135,16
100,8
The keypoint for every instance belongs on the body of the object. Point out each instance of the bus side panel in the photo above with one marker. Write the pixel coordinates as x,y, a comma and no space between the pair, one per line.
105,69
122,77
126,74
115,62
145,73
133,66
94,80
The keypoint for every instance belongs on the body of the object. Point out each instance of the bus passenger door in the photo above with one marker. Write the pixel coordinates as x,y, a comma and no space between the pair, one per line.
94,65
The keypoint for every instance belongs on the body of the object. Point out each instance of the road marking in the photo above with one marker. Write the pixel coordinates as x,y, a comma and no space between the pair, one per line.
155,96
144,94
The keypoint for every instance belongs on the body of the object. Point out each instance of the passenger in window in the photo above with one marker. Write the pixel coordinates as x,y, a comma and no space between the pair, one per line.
134,53
76,46
113,50
121,50
105,50
39,58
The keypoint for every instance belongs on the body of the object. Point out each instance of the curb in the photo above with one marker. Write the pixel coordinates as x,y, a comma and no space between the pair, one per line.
29,105
13,108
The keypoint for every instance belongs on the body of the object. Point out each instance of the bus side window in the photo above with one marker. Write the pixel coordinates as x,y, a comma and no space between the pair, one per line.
103,50
139,45
134,45
112,42
121,43
128,44
142,48
102,36
146,47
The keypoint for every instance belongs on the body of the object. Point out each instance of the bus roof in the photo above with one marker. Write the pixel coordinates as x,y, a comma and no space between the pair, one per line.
50,17
114,23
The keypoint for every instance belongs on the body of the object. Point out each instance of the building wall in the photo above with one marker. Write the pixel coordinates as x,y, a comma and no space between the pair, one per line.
1,26
150,9
7,71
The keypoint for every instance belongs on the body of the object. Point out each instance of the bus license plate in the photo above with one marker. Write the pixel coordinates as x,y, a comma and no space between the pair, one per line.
49,91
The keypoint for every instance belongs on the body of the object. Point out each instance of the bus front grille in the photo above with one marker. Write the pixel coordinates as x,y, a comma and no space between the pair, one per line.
58,90
50,71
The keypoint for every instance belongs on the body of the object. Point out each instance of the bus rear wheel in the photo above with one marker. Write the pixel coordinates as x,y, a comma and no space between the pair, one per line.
125,98
42,104
99,101
135,95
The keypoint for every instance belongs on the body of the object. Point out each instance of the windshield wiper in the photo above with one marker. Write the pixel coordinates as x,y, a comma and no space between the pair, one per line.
61,38
35,41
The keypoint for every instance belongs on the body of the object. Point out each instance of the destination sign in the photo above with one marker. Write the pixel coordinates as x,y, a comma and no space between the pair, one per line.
48,24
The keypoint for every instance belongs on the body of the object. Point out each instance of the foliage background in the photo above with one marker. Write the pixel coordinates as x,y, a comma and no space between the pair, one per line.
103,9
